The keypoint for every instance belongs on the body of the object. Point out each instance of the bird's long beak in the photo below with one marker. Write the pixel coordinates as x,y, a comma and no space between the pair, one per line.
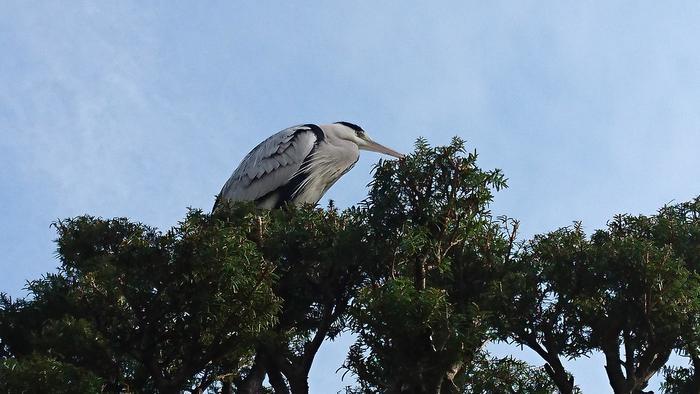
375,147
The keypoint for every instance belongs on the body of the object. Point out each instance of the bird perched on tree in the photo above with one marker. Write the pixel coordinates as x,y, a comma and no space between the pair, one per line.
298,164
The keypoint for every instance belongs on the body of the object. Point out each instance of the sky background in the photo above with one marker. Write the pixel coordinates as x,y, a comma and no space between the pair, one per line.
143,109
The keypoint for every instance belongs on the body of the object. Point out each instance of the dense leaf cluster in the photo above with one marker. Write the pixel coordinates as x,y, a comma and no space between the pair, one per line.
490,375
630,291
143,309
438,253
421,272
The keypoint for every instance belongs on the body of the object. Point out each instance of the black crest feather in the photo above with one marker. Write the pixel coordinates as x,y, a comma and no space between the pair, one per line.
350,125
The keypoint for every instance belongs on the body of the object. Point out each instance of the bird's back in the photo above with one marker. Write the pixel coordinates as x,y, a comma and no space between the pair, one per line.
264,174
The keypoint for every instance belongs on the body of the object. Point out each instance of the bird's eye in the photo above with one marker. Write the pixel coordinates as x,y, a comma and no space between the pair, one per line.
360,133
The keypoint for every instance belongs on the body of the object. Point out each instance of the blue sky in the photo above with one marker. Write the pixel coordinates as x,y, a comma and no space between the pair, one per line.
127,109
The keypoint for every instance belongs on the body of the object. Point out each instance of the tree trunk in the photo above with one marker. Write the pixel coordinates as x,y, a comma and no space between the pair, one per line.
277,381
253,382
613,368
695,379
299,384
448,384
554,368
556,371
226,387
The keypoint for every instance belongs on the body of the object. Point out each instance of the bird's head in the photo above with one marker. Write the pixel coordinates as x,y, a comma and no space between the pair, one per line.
352,132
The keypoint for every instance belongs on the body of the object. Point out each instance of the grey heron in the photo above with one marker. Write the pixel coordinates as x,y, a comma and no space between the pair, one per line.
298,164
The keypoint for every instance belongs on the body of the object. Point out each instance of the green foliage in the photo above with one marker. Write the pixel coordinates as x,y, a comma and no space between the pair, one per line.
626,286
421,272
436,251
34,374
321,261
396,349
647,301
679,380
534,292
144,309
490,375
676,228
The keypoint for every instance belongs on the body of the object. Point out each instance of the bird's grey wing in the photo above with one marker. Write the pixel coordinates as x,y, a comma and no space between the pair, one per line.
271,164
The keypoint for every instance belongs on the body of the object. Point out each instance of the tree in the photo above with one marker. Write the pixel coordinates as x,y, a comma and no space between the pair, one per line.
680,380
142,309
677,227
320,259
34,374
231,296
437,251
490,375
421,272
618,292
534,303
646,301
